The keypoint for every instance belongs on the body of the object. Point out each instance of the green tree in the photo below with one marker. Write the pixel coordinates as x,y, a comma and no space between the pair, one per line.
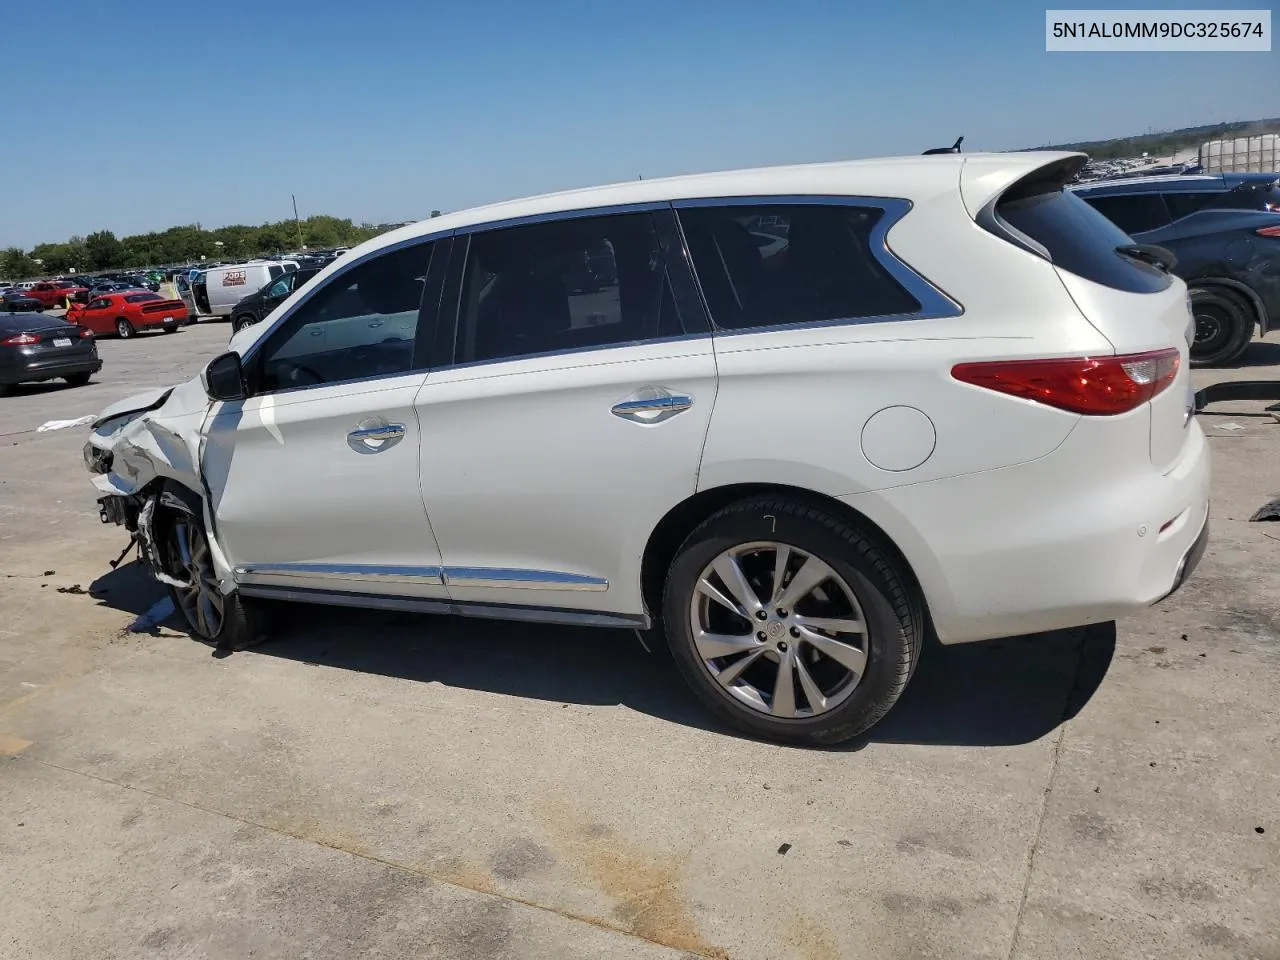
16,265
104,250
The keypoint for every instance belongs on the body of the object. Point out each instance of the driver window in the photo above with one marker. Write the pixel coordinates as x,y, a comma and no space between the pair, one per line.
363,323
281,287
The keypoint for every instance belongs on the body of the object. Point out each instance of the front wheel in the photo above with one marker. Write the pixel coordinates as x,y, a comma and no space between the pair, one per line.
791,624
239,323
124,328
226,621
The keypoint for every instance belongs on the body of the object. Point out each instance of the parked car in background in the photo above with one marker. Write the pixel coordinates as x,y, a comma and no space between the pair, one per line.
257,305
102,289
1224,230
35,348
218,291
17,300
129,313
959,405
55,293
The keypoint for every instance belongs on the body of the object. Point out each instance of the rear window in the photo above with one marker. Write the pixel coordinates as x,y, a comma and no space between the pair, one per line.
142,297
1080,240
1253,195
1184,204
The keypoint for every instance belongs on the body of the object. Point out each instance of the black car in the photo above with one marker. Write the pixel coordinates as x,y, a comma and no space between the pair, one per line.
45,348
1224,230
15,300
254,307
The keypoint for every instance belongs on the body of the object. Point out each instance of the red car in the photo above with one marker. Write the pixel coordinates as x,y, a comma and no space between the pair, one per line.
54,293
129,312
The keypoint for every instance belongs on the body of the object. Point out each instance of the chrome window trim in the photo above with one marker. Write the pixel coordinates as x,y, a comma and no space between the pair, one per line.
570,351
934,303
499,577
580,213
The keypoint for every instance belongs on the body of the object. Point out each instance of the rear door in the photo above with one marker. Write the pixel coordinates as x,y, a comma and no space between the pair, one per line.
566,409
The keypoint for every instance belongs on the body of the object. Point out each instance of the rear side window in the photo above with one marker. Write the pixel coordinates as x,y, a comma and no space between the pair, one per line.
1184,204
1079,239
762,266
1135,213
588,282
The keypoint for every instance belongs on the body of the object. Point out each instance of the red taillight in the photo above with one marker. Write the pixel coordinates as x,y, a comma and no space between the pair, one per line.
1098,386
1268,231
85,333
20,340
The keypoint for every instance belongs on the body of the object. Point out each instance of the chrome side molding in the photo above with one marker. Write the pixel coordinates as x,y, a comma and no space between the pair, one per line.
496,577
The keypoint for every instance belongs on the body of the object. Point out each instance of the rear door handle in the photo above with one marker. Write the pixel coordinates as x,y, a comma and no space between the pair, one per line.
651,405
375,435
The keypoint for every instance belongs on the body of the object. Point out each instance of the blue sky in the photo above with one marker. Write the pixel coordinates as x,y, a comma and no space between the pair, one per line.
383,110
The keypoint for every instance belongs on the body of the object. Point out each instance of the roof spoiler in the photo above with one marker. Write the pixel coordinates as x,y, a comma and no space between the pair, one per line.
954,148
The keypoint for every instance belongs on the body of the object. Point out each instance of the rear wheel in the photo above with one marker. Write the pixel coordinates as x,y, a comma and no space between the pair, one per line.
172,329
124,328
78,379
227,621
789,623
1224,327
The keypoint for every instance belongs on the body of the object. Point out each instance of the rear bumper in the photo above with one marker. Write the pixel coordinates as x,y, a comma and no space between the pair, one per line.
49,369
1088,534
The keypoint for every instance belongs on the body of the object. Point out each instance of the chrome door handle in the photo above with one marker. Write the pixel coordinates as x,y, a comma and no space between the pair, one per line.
651,405
375,435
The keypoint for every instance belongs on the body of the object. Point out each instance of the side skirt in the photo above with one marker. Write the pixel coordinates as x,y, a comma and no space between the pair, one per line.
488,611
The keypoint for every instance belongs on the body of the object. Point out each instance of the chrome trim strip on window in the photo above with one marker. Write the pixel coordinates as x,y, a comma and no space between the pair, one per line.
491,611
570,351
580,213
521,579
344,571
934,303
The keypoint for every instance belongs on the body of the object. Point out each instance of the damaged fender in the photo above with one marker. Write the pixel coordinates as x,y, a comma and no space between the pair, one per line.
146,450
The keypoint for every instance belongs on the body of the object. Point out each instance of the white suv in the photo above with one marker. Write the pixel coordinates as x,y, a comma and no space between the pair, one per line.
800,417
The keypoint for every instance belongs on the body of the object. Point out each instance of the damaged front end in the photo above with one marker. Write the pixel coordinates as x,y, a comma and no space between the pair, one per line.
143,456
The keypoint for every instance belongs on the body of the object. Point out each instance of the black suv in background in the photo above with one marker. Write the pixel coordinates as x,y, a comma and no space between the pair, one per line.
1224,230
254,307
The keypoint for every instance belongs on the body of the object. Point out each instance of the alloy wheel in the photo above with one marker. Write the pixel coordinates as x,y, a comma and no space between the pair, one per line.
201,601
779,630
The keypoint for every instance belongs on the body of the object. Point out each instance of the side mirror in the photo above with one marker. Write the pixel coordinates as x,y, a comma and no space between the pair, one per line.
224,378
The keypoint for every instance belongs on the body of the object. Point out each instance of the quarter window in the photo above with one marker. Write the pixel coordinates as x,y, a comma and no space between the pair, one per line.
1135,213
786,264
564,285
363,323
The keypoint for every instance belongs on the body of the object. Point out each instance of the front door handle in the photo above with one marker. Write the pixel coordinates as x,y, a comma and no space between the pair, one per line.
651,405
375,435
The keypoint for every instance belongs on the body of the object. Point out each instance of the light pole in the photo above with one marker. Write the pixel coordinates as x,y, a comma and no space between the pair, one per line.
218,244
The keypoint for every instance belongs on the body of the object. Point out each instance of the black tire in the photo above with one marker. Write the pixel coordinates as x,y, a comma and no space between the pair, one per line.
239,323
1224,326
173,329
78,379
124,329
241,623
892,612
6,389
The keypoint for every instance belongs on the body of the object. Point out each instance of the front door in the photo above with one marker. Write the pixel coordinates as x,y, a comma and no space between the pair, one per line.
566,410
314,478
